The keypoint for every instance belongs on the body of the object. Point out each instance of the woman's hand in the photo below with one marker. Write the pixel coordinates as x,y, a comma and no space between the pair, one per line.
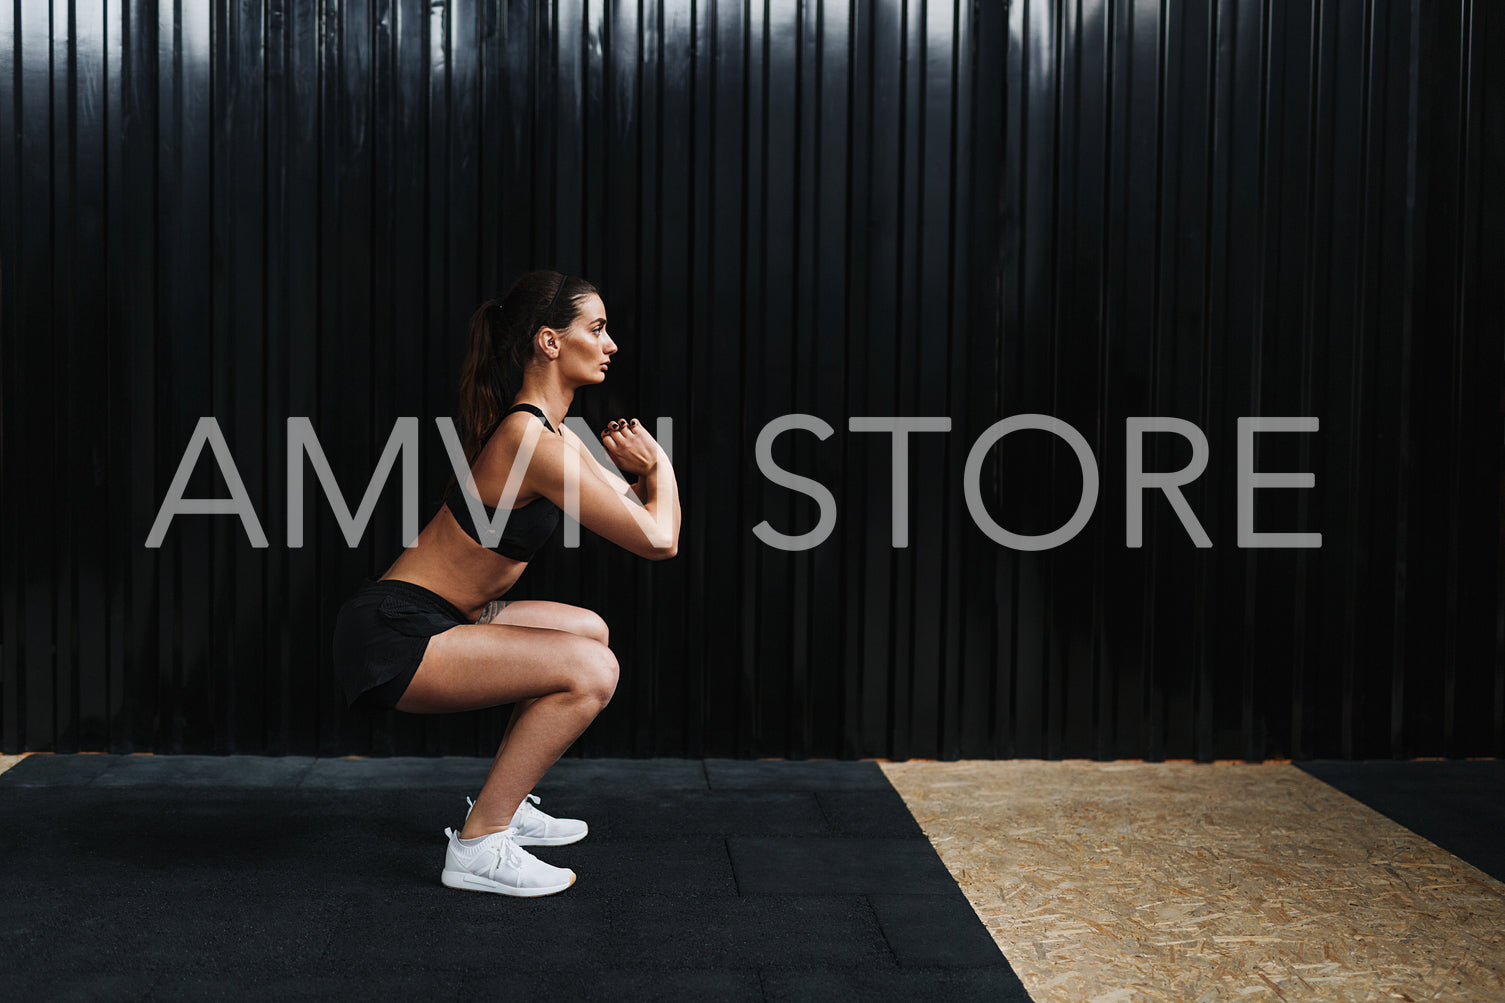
630,446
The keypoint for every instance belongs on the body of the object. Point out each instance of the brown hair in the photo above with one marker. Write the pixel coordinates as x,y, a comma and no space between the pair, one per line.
501,340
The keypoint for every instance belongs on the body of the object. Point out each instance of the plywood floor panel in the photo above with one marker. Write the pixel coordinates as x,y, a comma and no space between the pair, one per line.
1118,882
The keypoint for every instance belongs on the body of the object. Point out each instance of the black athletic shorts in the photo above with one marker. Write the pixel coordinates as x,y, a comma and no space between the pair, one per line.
380,635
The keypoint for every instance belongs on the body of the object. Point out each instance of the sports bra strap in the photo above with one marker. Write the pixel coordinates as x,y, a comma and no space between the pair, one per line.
532,409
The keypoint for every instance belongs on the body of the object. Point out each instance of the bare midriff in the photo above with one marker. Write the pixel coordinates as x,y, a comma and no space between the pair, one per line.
447,562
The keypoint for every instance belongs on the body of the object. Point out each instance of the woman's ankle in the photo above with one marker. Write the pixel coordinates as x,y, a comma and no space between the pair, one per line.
476,830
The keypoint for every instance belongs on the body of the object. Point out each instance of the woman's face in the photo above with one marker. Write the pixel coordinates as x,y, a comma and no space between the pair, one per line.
586,348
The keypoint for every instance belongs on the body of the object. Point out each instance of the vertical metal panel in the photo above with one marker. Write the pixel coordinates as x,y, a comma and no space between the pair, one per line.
259,209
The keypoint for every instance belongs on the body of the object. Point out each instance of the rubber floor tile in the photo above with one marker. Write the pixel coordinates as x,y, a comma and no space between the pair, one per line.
329,888
837,866
635,775
448,930
459,774
96,884
428,986
812,775
68,987
1457,804
683,865
56,771
613,986
870,814
751,813
204,771
935,931
995,985
266,935
722,932
130,841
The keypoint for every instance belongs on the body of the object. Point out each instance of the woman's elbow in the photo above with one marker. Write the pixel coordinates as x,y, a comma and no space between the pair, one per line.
663,550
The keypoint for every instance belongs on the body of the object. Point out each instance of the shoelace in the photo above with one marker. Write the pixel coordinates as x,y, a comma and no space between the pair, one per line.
509,852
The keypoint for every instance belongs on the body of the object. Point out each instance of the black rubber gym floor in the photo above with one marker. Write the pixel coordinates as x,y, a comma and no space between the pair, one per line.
1457,804
185,877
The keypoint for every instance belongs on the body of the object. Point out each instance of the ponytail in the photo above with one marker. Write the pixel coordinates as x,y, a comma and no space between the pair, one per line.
484,394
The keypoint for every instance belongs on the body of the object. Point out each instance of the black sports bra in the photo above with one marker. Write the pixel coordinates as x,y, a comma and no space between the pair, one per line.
524,530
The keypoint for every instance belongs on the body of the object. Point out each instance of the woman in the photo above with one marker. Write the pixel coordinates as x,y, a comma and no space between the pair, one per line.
431,635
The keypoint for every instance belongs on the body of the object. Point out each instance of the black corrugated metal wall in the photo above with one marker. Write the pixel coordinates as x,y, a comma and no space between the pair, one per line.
260,209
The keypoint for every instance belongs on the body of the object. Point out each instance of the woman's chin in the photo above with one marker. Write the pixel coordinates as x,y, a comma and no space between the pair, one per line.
592,380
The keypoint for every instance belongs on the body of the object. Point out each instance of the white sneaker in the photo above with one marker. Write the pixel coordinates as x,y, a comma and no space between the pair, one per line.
536,828
495,863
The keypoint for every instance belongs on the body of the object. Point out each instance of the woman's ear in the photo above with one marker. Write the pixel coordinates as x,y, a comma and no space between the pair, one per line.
547,342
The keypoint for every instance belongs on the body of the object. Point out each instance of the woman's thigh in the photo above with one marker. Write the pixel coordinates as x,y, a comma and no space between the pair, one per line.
553,615
472,666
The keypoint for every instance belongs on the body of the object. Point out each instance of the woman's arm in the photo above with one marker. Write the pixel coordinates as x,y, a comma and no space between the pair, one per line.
607,474
565,473
631,448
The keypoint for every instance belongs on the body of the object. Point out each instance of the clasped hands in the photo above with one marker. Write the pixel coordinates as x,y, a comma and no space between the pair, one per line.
630,446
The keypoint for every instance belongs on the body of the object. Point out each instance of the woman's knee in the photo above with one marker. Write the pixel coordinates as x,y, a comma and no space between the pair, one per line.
590,624
595,672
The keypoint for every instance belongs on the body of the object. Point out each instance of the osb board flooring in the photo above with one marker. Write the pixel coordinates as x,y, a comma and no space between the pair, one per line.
1120,882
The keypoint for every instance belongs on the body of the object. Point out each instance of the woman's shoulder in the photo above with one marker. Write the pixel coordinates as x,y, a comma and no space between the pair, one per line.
517,422
516,433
